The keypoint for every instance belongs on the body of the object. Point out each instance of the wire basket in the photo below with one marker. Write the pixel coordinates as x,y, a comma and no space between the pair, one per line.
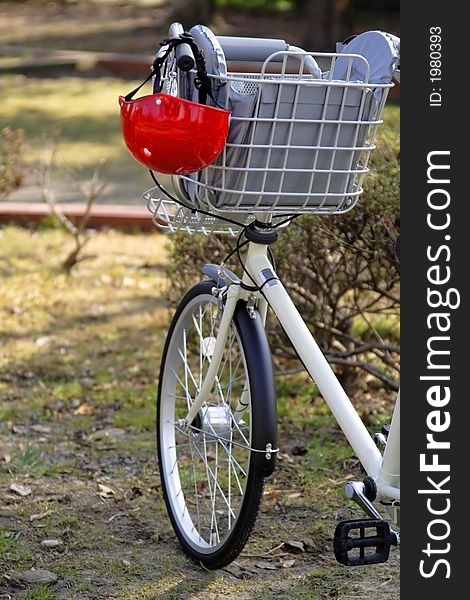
297,143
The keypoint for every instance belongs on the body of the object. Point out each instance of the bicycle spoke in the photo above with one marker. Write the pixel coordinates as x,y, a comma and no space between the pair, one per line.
195,489
209,472
211,493
185,361
240,431
187,371
209,360
188,395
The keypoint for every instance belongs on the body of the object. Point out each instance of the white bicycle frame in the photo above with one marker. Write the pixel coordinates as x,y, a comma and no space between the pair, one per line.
384,469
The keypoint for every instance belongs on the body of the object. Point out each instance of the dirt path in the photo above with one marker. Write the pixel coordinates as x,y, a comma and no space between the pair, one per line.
77,388
116,541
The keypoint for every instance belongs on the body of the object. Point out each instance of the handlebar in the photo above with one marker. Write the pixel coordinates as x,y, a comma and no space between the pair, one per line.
251,49
235,48
183,52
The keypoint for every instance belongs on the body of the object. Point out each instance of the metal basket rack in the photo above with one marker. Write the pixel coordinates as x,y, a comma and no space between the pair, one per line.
172,217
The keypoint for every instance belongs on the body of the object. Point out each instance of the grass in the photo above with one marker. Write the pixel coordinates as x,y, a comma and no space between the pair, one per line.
12,548
80,356
83,114
40,593
28,460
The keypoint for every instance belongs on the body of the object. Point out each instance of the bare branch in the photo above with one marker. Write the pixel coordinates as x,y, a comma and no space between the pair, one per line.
90,192
47,194
381,375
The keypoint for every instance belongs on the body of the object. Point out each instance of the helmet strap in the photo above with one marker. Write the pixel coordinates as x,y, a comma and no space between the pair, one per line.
201,81
131,94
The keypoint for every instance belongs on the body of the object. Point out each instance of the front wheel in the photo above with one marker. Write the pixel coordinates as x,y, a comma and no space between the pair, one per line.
213,470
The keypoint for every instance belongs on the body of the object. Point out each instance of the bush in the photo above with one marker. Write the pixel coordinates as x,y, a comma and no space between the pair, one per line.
341,272
11,169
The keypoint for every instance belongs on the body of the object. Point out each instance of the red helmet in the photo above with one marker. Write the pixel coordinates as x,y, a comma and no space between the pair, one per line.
171,135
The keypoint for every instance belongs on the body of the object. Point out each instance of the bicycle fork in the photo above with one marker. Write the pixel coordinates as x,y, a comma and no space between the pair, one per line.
232,294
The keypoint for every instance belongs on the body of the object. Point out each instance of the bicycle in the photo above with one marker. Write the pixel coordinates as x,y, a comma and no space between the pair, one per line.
216,404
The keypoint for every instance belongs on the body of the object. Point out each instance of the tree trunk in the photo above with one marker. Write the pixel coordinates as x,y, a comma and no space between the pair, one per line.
326,22
192,12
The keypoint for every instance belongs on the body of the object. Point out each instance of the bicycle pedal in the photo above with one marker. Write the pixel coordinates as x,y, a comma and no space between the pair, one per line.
350,550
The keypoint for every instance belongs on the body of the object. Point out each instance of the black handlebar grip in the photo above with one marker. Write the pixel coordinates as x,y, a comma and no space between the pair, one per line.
184,57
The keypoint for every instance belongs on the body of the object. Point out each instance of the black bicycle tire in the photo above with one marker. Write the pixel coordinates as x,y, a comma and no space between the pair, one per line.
264,429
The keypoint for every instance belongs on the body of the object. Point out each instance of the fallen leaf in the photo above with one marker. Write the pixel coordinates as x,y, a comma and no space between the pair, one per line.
19,429
41,428
7,458
294,495
45,340
264,564
299,450
20,490
51,543
122,514
234,570
84,409
37,577
25,374
128,282
273,493
294,546
287,563
39,516
105,491
132,493
111,433
9,499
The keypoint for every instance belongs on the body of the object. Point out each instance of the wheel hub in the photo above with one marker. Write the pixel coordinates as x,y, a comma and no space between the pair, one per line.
216,419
